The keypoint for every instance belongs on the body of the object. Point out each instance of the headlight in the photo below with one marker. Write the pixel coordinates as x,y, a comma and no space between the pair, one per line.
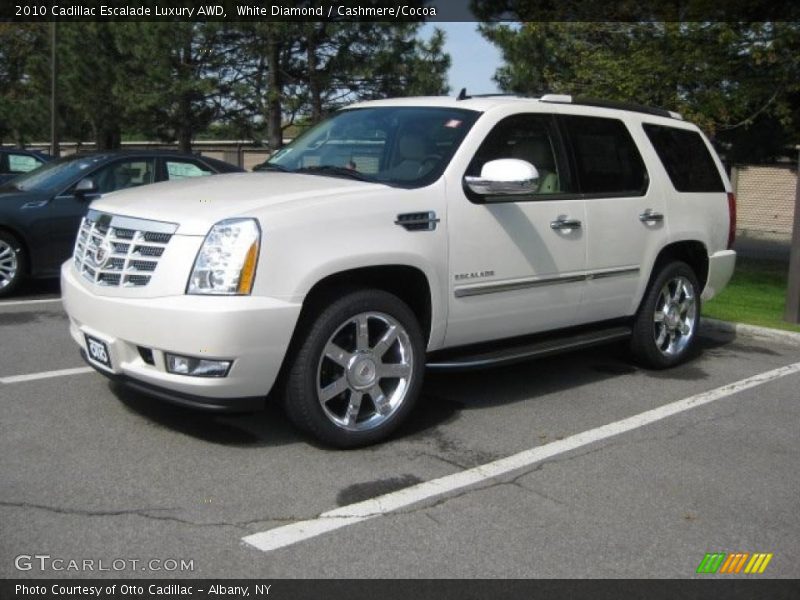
226,262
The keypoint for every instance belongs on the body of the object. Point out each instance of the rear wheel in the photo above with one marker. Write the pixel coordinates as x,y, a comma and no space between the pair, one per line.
665,328
358,371
12,263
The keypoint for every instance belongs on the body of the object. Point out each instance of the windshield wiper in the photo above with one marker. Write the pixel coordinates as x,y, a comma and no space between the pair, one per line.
335,172
270,167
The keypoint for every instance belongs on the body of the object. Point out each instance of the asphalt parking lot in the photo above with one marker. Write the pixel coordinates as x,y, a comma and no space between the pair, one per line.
619,472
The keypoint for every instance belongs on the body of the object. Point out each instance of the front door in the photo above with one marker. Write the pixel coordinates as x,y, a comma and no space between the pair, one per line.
516,264
67,209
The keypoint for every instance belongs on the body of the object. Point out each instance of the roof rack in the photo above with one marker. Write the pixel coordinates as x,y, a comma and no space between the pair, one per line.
462,95
568,99
631,106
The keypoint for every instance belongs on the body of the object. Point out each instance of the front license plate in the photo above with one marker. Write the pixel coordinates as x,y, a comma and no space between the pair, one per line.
98,351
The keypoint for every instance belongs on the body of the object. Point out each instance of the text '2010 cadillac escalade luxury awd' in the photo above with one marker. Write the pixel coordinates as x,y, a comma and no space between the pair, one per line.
400,235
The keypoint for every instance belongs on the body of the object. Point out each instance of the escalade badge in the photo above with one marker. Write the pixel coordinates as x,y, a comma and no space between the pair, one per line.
473,275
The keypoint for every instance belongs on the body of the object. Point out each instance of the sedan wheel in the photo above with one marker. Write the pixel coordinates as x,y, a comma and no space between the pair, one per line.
11,264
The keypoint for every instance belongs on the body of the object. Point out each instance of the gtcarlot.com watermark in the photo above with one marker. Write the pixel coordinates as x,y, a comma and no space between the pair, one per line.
46,562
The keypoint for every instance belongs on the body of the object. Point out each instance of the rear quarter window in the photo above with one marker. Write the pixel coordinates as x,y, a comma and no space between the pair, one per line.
686,159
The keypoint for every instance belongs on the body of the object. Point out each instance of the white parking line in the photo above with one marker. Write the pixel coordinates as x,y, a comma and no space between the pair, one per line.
356,513
22,302
45,375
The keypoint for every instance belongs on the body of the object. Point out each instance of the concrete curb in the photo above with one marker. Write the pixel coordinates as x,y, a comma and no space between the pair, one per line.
764,333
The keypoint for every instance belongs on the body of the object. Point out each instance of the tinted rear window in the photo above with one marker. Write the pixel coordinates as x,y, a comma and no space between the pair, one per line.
606,157
686,158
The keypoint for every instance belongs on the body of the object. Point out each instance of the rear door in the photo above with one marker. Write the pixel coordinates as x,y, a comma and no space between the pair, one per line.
625,214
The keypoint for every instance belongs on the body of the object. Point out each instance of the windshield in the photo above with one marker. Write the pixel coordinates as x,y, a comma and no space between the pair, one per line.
408,146
56,174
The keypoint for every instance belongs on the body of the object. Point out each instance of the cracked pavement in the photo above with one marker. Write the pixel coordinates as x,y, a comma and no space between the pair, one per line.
94,471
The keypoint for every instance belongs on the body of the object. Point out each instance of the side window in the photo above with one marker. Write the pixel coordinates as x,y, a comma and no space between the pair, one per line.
685,158
181,169
21,163
606,158
124,174
530,138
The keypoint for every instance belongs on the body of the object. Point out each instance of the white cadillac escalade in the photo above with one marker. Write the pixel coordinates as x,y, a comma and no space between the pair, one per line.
401,235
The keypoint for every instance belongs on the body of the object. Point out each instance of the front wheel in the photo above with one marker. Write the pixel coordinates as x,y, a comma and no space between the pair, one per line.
665,328
358,371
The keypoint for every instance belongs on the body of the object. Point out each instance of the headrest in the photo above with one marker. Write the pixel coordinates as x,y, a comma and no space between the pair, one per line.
536,151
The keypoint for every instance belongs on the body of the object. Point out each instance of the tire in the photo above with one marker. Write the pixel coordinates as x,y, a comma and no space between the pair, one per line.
13,263
357,371
665,327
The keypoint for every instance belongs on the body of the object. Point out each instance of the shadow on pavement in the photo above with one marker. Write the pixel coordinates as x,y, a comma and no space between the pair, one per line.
36,289
444,396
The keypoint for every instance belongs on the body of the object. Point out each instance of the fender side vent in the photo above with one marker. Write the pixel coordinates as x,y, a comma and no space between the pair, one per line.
419,221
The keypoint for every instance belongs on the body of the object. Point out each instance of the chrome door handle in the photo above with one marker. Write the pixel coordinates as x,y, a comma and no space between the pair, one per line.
565,223
650,216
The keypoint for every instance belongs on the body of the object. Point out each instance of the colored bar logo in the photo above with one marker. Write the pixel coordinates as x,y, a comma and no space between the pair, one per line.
734,563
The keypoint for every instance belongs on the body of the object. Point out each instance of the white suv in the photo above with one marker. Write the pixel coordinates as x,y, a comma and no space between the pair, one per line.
401,235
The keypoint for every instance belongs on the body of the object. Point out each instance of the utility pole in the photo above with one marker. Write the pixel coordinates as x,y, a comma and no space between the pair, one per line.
793,292
55,148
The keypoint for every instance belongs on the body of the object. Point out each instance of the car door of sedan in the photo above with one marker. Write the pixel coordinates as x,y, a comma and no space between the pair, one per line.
68,208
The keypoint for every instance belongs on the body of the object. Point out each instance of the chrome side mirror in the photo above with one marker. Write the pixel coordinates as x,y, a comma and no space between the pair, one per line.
504,177
85,186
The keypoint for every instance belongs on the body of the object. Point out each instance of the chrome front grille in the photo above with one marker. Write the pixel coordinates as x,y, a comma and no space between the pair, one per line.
115,251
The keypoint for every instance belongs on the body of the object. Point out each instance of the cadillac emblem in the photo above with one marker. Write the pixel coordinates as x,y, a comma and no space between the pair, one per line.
100,253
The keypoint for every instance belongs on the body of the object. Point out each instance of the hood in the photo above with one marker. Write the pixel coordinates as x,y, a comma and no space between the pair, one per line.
10,195
196,204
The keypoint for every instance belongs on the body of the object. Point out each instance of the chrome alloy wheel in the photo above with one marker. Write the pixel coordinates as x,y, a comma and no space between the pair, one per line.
365,371
8,264
675,316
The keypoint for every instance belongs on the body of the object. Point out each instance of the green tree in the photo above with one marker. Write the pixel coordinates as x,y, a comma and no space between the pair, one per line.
733,79
381,60
174,81
177,77
91,69
292,72
24,77
266,78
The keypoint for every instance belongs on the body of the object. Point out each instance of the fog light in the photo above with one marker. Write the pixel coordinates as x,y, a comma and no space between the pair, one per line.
197,367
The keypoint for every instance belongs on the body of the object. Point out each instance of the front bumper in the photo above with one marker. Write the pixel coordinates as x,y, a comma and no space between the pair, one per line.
180,398
720,270
253,332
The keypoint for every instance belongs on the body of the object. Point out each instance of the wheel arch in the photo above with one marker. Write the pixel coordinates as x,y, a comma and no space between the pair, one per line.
693,252
408,283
